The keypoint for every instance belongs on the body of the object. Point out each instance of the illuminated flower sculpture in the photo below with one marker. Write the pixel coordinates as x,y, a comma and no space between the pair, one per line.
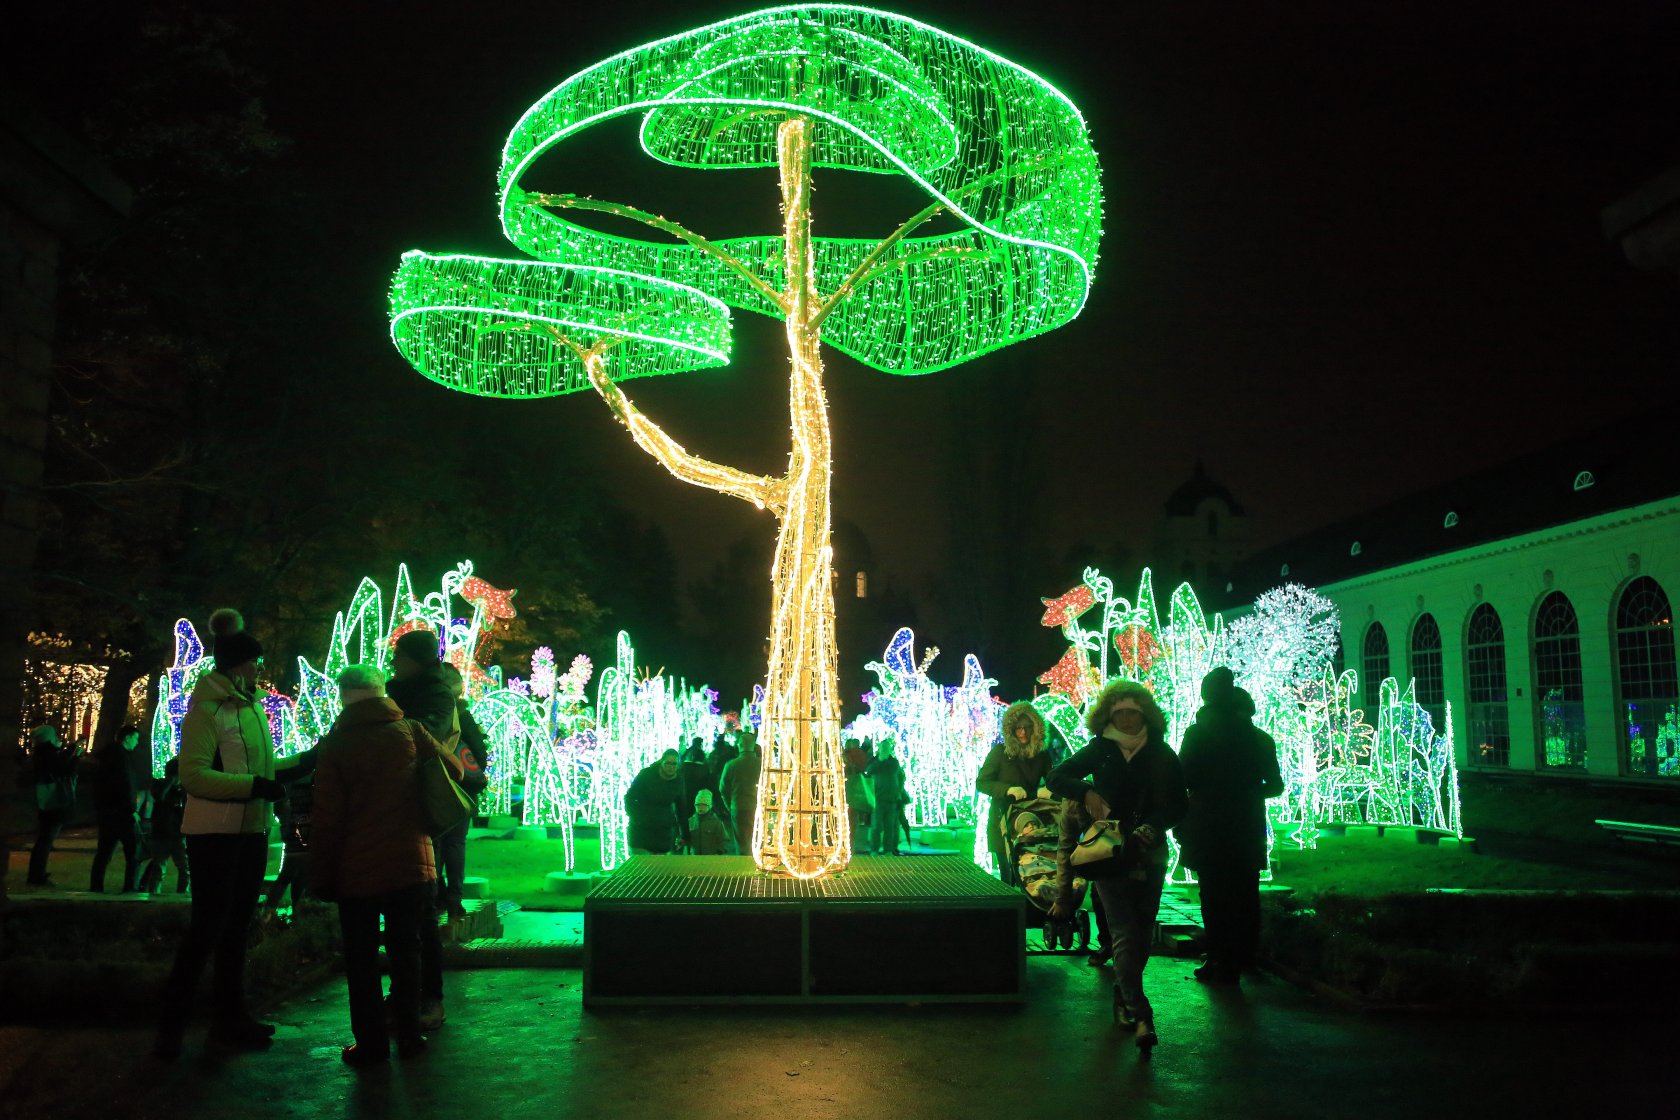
1340,765
942,732
1001,156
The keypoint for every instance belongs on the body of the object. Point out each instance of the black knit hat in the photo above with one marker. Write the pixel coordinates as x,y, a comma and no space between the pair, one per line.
419,646
233,646
1217,685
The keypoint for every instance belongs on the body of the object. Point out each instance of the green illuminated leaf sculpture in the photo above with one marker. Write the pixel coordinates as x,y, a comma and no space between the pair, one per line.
794,88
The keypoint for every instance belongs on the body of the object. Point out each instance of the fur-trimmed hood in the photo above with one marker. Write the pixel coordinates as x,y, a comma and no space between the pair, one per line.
1019,713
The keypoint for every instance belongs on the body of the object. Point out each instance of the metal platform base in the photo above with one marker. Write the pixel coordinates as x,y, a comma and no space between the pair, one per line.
713,930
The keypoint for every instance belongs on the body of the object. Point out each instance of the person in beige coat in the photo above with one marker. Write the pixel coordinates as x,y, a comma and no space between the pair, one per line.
373,856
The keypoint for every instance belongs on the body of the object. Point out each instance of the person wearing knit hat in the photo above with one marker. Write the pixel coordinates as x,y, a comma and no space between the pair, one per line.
1230,769
234,646
418,688
227,768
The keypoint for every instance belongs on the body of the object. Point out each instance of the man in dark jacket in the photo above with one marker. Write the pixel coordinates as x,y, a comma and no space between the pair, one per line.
1230,769
696,776
372,856
654,803
54,764
120,787
417,685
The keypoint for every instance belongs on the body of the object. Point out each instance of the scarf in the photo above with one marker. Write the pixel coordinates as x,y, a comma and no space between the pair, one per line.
1129,743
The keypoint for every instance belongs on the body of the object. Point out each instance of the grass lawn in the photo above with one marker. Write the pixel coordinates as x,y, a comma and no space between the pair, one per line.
517,869
1385,865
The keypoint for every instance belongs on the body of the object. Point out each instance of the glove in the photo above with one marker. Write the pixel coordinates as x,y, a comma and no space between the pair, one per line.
267,788
303,766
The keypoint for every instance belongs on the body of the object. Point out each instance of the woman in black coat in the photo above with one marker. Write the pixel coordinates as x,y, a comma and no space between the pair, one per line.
1128,774
1014,771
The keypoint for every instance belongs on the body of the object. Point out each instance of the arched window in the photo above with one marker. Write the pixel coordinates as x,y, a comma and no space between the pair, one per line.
1557,684
1488,717
1647,693
1374,668
1426,670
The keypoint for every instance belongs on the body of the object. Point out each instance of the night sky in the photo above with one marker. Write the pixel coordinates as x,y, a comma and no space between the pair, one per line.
1350,250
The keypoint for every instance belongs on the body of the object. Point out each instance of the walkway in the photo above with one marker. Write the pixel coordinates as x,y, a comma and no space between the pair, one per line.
518,1045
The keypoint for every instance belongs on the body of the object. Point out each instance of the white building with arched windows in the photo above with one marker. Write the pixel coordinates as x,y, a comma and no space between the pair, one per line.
1534,599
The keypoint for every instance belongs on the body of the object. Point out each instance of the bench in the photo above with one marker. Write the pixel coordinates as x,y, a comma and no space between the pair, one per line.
1643,833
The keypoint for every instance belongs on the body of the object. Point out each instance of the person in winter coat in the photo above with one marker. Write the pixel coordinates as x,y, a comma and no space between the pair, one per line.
121,788
418,687
169,802
1128,774
296,812
886,785
706,834
853,763
227,768
54,764
654,803
696,776
738,788
371,855
1014,770
474,754
1230,768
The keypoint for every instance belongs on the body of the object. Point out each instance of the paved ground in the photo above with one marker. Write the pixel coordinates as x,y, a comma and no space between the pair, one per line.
518,1044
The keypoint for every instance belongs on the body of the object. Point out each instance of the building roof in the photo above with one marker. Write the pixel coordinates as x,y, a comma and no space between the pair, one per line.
1184,501
1618,467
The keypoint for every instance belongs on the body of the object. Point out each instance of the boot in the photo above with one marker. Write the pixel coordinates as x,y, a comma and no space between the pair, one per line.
1122,1014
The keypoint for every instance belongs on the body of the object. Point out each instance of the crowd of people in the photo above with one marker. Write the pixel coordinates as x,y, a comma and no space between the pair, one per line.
702,802
355,834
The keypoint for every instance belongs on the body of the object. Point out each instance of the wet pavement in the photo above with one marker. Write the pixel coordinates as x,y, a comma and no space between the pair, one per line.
518,1044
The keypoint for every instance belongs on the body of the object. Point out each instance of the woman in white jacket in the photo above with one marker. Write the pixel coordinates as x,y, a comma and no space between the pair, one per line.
226,766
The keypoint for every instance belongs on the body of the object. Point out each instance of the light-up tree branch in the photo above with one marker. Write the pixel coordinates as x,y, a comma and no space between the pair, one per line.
995,148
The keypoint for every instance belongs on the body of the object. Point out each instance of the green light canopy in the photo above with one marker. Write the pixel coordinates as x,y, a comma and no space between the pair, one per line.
990,143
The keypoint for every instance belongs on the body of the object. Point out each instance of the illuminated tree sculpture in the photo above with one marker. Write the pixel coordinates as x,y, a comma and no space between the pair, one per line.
1002,155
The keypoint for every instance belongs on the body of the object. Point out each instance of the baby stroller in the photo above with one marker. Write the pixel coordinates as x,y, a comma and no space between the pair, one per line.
1031,830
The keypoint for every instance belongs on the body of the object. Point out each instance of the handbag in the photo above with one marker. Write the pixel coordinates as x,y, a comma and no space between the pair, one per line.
1101,851
443,804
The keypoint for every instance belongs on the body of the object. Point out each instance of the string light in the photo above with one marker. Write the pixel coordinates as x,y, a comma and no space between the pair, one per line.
942,732
1337,767
797,87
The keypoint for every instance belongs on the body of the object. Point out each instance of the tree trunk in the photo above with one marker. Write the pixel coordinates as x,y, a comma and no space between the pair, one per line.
801,828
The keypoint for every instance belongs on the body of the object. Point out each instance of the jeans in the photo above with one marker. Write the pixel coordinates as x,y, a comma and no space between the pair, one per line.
431,949
227,878
47,827
112,832
407,912
1131,906
1104,938
859,815
450,852
1231,914
884,833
